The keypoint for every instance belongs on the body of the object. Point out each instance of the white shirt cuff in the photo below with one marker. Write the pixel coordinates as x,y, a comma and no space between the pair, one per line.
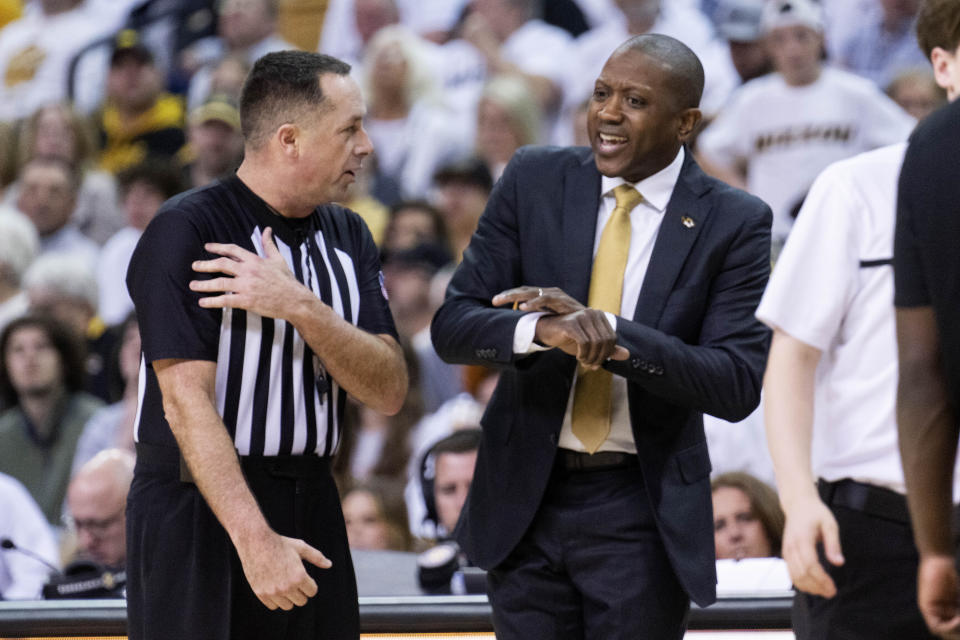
524,333
612,319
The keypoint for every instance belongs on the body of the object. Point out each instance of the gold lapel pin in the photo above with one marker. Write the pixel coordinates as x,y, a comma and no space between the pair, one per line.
688,222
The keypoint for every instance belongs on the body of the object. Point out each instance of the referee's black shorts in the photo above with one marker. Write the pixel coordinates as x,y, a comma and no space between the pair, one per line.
185,580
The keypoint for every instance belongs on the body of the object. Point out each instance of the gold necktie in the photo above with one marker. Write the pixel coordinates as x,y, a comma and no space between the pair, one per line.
591,399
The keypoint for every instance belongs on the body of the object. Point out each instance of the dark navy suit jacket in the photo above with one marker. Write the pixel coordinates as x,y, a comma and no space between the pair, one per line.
694,345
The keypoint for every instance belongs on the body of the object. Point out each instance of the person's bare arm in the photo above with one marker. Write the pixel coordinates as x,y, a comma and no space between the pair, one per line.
928,433
370,367
478,32
272,564
788,414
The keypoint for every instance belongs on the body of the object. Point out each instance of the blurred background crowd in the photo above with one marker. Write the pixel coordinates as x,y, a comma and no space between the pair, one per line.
109,107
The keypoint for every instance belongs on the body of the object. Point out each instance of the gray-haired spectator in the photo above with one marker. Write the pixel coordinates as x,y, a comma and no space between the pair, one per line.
19,245
65,287
96,502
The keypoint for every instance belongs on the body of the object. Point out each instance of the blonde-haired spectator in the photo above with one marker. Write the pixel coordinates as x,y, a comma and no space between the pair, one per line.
917,92
508,117
412,130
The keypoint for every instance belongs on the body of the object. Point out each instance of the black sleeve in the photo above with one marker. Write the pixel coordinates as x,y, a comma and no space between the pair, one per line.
172,322
374,312
909,283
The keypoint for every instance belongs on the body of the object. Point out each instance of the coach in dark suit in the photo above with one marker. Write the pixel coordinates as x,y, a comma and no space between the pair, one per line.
590,505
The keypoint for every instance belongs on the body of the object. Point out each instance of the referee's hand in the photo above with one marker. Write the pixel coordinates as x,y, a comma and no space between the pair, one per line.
274,569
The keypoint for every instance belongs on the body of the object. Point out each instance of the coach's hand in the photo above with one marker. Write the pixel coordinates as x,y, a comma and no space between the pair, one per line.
264,286
274,569
584,334
550,299
808,523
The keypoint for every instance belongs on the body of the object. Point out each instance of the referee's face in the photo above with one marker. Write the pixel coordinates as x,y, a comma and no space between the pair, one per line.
335,142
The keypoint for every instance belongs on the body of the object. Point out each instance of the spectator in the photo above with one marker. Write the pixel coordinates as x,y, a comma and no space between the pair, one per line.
214,139
460,412
23,524
65,288
446,472
139,119
917,93
377,445
226,78
508,117
36,51
56,130
407,276
779,131
511,38
376,517
412,223
412,130
143,188
96,505
462,189
747,519
247,29
350,24
681,20
738,22
41,377
111,427
18,247
47,194
884,43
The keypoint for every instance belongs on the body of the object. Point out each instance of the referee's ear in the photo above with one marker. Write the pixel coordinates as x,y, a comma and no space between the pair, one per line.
287,137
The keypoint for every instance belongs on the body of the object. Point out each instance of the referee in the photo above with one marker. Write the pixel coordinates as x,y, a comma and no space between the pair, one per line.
260,306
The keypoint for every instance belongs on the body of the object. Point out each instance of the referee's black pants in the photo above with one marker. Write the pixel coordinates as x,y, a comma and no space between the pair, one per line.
877,584
185,580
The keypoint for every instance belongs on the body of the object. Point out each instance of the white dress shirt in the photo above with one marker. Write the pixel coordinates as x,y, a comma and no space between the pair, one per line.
645,219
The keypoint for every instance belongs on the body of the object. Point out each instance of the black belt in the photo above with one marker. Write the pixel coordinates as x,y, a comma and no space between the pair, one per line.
866,498
572,461
301,466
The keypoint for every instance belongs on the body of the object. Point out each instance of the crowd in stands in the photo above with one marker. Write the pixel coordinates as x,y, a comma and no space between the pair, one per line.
110,107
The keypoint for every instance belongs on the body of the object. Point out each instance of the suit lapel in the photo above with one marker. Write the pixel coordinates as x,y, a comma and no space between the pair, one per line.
581,200
682,221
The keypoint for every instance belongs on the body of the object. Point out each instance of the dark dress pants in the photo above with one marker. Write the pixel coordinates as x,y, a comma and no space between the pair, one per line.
592,565
876,586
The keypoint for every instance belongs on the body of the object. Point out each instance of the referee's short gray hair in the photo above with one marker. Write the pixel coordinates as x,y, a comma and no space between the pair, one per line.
66,275
19,244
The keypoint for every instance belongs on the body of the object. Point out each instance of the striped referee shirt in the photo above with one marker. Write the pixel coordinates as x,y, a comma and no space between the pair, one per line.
272,391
